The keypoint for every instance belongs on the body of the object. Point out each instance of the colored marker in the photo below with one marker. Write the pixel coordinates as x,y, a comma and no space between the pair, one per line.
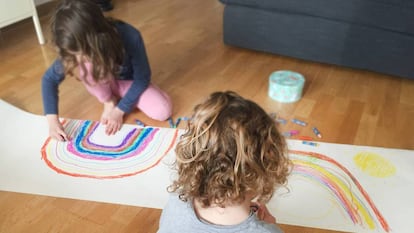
140,123
177,122
281,121
299,122
317,133
305,138
294,132
309,143
287,134
185,118
171,122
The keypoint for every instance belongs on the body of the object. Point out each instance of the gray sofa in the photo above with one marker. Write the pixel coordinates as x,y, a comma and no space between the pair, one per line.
375,35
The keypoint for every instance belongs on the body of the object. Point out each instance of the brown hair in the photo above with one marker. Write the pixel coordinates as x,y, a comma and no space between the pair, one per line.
79,26
231,149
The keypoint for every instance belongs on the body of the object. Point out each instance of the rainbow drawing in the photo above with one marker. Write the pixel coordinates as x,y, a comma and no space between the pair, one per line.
342,185
133,151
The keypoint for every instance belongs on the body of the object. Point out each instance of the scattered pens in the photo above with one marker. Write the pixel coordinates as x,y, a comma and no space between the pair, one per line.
175,125
317,133
140,123
299,122
309,143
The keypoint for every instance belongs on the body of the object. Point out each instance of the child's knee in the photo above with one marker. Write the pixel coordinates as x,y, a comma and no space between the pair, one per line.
155,103
161,112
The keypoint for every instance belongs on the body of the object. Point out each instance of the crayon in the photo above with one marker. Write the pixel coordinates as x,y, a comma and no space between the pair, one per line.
305,138
309,143
317,133
299,122
140,123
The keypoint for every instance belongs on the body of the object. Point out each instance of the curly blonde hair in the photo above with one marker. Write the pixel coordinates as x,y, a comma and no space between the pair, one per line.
231,148
79,26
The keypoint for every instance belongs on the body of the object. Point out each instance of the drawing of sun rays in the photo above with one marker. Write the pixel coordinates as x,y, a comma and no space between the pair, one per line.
342,186
91,153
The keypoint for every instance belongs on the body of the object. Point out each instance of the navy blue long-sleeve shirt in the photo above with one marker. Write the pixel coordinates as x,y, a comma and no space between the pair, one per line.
135,67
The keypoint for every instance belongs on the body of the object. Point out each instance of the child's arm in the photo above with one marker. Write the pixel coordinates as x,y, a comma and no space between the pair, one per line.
50,82
51,79
56,129
140,68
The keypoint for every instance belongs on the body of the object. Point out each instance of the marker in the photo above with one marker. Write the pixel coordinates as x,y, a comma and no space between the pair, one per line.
185,118
309,143
305,138
317,133
177,122
171,122
140,123
287,134
294,132
281,121
299,122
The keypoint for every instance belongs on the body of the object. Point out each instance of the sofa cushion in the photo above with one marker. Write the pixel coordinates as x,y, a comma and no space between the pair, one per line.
393,15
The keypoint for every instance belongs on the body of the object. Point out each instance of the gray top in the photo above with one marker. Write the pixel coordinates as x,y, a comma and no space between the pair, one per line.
180,217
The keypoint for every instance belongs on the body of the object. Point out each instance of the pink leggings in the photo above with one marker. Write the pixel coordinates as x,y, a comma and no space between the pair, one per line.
154,102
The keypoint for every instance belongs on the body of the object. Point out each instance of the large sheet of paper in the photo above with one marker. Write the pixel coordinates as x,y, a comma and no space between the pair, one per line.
332,186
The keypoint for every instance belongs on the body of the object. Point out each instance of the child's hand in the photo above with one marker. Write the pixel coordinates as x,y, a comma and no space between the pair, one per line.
263,213
113,120
56,129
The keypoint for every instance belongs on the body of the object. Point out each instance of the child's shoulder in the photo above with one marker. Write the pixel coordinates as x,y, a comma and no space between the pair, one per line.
126,28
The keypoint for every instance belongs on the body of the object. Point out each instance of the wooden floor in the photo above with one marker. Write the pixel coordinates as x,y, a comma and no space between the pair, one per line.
189,61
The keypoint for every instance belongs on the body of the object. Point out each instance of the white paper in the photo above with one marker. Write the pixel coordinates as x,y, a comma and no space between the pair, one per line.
307,201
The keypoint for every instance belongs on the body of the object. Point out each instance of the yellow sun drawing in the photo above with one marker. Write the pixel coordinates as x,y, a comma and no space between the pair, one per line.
374,164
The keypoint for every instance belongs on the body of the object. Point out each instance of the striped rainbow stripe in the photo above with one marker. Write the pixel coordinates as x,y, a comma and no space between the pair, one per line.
138,150
342,185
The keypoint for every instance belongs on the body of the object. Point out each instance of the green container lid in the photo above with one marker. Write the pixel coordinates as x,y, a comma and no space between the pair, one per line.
286,86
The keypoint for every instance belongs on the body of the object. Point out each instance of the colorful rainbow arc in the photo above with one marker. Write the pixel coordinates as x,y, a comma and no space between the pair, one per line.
134,142
137,151
307,164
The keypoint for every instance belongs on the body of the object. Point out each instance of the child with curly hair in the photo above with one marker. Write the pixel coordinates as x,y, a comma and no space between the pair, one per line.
229,162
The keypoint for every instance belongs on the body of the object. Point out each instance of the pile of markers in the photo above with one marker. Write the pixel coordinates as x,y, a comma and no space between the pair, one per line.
305,139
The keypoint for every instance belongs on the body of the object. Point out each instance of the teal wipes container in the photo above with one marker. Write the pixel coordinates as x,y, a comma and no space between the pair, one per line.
286,86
